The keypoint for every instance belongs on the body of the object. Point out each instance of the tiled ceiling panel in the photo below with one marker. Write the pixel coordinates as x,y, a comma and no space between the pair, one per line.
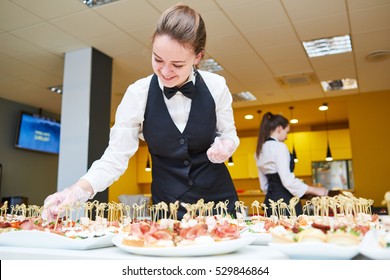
256,42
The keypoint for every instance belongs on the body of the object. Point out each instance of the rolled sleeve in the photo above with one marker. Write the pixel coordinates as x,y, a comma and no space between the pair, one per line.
124,138
114,162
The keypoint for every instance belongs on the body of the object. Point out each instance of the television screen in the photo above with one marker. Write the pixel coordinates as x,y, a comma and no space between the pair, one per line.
38,133
333,175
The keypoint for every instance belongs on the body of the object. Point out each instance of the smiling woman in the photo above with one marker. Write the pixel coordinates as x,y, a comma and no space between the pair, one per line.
171,68
189,136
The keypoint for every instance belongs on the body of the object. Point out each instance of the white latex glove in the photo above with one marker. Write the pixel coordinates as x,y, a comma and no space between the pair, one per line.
221,150
55,203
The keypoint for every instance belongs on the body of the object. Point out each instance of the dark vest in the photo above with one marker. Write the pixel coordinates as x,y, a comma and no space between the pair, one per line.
276,190
180,167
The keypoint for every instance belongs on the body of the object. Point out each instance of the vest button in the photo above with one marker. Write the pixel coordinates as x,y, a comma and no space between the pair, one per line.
186,162
182,141
190,182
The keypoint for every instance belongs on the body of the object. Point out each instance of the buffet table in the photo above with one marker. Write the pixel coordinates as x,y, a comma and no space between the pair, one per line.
250,252
114,263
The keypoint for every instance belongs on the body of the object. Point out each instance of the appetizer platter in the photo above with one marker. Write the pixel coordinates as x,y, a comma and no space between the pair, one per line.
199,233
43,239
195,250
330,228
376,243
25,227
316,251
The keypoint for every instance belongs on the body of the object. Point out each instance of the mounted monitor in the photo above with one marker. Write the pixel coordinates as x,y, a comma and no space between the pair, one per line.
38,133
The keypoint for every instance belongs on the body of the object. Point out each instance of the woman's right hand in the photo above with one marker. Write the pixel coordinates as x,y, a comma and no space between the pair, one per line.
55,203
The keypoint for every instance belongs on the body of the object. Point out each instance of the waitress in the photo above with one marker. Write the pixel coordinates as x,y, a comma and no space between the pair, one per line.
183,114
275,164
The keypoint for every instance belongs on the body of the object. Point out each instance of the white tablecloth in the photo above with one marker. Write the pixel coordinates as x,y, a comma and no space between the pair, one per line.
251,252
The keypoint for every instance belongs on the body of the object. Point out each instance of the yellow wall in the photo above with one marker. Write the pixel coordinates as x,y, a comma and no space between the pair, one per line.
369,119
143,175
310,146
127,184
366,142
244,162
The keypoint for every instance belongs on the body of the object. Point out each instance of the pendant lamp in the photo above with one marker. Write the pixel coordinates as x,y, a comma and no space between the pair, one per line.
324,107
294,154
293,121
231,162
328,154
148,167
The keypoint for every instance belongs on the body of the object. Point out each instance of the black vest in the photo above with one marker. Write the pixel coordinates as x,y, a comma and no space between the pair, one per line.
276,190
180,167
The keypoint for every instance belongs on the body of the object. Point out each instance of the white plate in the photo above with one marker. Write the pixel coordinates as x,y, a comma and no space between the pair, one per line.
261,238
42,239
370,247
216,248
376,253
316,250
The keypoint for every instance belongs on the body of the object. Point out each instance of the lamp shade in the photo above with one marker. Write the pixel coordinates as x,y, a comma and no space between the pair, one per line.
328,154
294,154
230,162
148,168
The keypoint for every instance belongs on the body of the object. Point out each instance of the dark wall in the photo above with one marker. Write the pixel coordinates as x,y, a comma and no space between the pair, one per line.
25,173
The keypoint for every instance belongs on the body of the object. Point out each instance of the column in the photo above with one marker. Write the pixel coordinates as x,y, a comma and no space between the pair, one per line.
85,114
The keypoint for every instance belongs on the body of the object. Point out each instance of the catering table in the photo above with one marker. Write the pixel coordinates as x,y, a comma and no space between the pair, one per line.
114,263
250,252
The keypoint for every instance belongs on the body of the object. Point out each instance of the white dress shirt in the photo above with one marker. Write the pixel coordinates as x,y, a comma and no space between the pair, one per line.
275,158
125,134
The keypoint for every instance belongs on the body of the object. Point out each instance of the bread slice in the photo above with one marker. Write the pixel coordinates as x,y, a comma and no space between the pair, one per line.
343,238
311,235
133,241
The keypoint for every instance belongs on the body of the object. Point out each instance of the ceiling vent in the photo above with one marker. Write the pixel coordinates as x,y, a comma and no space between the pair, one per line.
296,79
380,55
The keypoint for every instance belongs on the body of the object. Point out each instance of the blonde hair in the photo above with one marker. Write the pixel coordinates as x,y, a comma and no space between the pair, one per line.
184,25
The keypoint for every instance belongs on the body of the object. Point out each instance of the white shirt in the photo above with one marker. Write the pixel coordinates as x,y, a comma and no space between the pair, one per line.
275,158
125,134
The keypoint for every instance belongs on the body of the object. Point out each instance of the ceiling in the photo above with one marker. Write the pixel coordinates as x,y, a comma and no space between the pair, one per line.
255,41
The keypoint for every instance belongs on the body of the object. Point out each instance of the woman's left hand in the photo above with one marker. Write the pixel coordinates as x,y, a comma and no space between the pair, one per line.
221,150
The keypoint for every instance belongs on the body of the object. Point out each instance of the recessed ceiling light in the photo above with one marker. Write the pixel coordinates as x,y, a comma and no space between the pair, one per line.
342,84
328,46
248,117
323,107
243,96
56,89
209,65
93,3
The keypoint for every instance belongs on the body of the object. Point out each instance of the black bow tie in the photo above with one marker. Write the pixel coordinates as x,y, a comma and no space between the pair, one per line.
187,90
